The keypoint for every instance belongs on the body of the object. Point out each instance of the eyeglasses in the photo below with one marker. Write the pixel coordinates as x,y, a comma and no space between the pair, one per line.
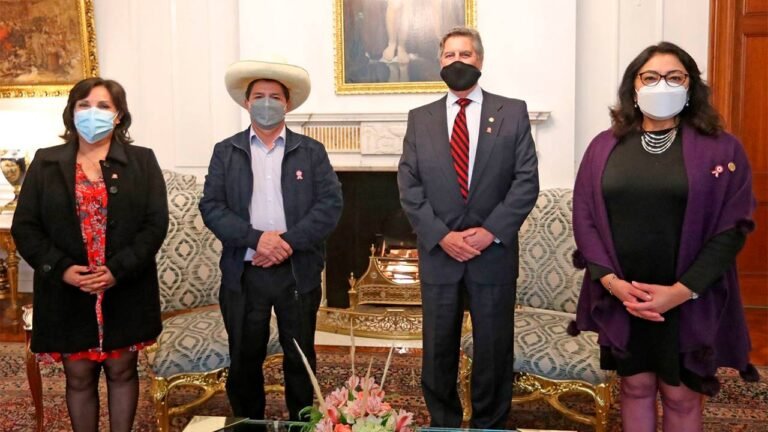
674,78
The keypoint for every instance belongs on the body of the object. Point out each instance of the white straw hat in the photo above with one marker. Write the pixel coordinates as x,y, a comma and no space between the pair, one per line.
241,73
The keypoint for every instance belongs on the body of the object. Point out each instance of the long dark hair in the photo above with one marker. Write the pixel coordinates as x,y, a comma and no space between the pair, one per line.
81,90
698,113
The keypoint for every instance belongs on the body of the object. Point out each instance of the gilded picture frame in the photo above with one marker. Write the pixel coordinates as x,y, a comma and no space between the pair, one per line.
391,46
46,46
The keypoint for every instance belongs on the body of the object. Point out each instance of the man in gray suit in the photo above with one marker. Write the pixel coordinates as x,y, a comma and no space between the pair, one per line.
468,178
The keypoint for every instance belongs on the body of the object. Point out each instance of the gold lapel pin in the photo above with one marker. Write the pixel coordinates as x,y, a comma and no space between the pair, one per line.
491,119
731,166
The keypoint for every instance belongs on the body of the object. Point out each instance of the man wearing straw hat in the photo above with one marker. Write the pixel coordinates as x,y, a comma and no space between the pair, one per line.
272,198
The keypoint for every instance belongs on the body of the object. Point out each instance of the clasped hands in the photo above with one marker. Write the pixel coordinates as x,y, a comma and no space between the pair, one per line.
90,280
647,301
465,245
271,250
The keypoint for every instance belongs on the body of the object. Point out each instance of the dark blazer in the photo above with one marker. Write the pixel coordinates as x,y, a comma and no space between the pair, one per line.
504,188
312,202
46,229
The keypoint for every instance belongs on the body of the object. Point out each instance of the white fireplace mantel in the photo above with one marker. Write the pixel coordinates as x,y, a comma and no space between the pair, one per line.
369,141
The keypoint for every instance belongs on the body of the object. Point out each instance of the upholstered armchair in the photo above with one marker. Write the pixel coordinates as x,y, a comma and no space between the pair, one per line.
192,350
549,363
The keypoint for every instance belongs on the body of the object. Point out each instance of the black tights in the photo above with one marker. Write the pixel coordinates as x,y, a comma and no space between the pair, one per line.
83,392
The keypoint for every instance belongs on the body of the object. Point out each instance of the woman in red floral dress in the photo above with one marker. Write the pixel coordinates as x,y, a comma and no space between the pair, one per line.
90,219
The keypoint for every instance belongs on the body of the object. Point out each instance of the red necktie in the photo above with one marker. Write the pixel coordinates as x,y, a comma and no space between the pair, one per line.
460,147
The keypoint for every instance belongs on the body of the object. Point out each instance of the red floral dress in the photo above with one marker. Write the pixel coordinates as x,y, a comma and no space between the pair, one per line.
91,198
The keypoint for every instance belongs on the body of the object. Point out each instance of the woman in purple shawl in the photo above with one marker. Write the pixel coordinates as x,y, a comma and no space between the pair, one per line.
662,205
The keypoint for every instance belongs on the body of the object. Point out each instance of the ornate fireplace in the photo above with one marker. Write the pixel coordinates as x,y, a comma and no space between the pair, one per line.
373,289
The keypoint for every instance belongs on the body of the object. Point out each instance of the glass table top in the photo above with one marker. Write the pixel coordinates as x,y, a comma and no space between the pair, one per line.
239,424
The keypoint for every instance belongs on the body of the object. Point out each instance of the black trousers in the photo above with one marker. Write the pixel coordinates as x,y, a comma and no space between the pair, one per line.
492,310
246,318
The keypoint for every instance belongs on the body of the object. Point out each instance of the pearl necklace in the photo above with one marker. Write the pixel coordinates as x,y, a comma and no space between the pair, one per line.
657,144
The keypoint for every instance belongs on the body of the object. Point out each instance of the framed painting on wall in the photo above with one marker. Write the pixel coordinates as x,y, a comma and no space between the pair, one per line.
46,46
391,46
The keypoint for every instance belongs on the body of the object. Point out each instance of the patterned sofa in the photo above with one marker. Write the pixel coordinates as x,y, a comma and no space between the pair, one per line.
550,363
192,350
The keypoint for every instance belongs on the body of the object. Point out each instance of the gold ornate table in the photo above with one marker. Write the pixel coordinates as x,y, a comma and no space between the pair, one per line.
9,282
9,288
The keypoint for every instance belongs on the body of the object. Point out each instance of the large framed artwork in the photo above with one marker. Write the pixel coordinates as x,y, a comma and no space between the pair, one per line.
46,46
391,46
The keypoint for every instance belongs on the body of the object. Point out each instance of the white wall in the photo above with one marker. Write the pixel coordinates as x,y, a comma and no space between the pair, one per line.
611,33
170,55
171,58
514,40
563,56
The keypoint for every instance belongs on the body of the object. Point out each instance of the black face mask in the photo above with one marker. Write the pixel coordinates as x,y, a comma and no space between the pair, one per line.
460,76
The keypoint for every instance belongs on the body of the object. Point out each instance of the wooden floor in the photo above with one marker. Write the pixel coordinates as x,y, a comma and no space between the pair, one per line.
757,319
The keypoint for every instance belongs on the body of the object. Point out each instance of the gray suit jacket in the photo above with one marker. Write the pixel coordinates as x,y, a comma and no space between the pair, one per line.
504,188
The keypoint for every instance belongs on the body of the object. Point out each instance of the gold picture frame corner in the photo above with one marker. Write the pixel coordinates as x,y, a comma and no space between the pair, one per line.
344,88
88,67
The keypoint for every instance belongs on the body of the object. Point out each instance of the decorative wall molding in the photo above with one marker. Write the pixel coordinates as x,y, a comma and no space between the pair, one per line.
366,141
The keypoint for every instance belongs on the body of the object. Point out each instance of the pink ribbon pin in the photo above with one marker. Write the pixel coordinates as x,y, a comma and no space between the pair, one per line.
717,171
300,175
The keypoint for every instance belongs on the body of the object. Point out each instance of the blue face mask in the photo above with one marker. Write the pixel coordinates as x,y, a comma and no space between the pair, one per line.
94,124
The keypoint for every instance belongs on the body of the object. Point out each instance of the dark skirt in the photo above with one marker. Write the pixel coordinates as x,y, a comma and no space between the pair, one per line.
653,347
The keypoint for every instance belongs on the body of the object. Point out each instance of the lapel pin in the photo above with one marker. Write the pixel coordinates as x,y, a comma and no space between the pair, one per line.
717,171
731,166
299,175
114,176
488,130
491,119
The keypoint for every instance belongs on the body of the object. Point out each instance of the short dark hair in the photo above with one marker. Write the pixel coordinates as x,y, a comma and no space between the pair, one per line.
698,112
477,42
286,93
81,90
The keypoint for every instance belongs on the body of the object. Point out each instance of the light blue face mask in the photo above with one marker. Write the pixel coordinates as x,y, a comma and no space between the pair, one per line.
94,124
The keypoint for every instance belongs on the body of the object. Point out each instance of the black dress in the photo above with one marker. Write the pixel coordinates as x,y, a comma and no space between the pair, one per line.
646,196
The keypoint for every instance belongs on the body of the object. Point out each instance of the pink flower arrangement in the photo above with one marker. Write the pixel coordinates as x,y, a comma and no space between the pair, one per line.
358,406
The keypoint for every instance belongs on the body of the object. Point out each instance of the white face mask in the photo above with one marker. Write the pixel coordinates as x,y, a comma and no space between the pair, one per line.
662,102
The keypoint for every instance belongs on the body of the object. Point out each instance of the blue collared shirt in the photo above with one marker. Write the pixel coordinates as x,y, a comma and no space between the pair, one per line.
266,208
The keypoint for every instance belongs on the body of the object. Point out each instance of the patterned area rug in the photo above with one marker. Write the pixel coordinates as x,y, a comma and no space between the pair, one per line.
739,407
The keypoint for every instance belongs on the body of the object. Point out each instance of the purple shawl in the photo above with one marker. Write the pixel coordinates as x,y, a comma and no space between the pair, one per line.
713,331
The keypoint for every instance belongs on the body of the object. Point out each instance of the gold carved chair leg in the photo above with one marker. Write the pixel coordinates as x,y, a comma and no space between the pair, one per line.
159,391
603,401
465,374
273,361
33,371
535,387
211,383
160,398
